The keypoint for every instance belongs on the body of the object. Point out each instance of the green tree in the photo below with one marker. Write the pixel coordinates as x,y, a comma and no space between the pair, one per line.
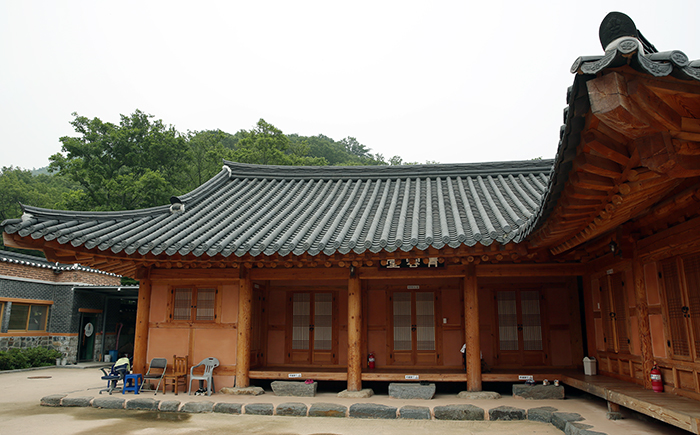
136,164
207,149
267,145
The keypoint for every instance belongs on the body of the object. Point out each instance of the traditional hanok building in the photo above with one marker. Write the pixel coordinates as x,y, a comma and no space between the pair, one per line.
303,272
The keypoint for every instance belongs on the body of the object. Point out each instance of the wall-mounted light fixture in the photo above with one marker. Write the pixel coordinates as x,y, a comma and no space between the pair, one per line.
615,248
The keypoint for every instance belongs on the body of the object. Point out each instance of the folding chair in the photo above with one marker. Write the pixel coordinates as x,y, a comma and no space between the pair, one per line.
156,370
113,376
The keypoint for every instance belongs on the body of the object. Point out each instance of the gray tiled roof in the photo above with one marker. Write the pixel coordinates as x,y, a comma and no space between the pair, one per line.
253,209
42,263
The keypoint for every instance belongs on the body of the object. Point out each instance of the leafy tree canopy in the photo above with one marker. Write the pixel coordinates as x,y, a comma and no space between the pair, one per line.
136,164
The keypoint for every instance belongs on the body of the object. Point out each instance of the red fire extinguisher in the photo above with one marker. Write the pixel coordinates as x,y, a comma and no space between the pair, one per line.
657,384
370,360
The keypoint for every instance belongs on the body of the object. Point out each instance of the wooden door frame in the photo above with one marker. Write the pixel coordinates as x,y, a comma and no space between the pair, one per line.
437,316
544,324
680,270
290,323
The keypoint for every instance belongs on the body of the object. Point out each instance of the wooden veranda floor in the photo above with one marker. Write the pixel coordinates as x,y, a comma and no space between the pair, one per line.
667,407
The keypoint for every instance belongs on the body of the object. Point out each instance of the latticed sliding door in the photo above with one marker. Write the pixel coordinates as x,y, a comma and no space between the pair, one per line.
413,329
683,306
313,328
519,317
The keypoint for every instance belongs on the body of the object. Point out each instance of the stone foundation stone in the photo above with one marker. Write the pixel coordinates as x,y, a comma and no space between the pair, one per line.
297,389
362,394
247,391
478,395
411,391
538,392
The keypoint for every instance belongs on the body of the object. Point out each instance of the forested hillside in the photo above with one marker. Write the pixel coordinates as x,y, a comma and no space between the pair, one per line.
141,162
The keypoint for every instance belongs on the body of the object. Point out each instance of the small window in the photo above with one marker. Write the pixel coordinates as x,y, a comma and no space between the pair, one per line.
28,317
194,304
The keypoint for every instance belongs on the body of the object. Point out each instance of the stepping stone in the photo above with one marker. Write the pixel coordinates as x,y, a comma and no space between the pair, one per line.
506,413
372,410
538,392
76,401
142,404
411,390
291,388
327,410
415,412
543,414
169,406
228,408
260,409
559,419
53,400
197,407
108,403
458,412
291,409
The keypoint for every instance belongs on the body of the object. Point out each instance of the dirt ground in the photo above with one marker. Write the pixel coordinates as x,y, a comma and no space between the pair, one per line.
21,392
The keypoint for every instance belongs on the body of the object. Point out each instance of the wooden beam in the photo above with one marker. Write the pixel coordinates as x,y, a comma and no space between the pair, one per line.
471,329
611,103
606,147
354,332
143,309
245,306
658,153
653,105
276,274
517,270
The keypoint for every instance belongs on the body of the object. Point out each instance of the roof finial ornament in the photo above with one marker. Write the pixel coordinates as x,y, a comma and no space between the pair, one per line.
616,26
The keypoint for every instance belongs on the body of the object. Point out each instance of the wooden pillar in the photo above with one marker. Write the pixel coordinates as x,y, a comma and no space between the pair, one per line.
640,297
245,306
143,309
354,333
471,333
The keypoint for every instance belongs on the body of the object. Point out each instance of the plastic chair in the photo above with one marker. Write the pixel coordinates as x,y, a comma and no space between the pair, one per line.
156,370
209,365
113,376
179,373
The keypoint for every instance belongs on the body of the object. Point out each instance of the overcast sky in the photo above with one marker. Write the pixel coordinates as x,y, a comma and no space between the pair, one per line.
454,81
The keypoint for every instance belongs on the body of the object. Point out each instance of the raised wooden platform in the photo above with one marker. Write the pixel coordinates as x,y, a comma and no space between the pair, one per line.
670,408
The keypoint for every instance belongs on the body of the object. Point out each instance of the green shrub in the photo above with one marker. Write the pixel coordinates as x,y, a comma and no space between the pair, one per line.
14,359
